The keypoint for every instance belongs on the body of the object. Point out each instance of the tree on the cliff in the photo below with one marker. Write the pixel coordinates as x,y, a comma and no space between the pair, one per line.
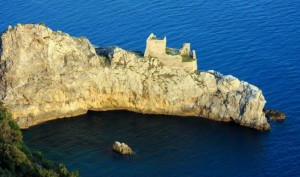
17,159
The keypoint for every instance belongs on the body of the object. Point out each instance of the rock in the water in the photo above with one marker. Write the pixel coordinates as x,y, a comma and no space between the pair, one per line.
122,148
47,75
274,114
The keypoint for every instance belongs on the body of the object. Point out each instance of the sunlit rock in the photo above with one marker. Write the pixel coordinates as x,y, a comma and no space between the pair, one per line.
47,75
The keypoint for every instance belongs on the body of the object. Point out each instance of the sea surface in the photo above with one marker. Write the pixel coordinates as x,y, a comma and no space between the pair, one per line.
255,40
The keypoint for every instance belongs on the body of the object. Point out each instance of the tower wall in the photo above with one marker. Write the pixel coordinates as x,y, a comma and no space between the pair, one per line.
186,49
155,47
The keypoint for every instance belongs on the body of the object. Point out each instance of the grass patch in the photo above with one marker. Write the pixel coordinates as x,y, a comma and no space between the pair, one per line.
171,51
187,58
106,62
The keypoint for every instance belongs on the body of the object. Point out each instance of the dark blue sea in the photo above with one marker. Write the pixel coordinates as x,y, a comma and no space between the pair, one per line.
254,40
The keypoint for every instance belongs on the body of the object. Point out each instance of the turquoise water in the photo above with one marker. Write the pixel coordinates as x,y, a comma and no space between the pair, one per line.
256,41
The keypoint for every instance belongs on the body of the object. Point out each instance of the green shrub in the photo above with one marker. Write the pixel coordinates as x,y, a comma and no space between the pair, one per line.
16,159
43,23
187,58
13,125
171,51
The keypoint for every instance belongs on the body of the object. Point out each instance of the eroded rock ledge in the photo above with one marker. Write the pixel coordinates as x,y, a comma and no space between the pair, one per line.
47,75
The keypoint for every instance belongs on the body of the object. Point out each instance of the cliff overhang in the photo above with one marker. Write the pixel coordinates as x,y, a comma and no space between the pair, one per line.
47,75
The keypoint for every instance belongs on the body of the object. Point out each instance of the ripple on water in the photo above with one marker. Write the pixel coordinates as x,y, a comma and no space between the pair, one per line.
256,41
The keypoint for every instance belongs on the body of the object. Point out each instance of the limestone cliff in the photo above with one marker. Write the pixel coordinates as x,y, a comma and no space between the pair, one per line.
47,75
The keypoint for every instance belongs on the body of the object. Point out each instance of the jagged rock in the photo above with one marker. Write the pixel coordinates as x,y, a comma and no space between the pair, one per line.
274,114
122,148
47,75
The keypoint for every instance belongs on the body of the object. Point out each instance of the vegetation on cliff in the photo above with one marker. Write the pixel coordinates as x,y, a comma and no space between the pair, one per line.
17,159
186,58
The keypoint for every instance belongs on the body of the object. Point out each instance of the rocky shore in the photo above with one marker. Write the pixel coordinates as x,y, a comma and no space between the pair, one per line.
274,114
47,75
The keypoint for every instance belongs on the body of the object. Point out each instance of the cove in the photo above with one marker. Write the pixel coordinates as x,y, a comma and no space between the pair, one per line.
164,145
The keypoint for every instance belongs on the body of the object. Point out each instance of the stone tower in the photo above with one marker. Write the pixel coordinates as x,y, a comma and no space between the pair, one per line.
155,47
186,49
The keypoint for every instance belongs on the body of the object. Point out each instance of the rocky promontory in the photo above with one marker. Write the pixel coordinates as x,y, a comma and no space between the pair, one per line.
47,75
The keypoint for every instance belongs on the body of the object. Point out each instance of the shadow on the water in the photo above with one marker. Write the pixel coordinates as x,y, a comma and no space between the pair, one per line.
85,142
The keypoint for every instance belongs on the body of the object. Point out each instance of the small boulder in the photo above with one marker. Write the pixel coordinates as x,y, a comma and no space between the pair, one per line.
274,114
122,148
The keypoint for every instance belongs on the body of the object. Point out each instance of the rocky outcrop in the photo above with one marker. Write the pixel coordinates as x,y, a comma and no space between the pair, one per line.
122,148
47,75
274,114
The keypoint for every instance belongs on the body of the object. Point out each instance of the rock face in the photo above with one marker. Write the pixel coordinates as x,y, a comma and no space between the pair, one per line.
122,148
47,75
274,114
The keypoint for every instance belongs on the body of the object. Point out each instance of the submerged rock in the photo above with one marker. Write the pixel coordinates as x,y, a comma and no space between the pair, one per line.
274,114
122,148
47,75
